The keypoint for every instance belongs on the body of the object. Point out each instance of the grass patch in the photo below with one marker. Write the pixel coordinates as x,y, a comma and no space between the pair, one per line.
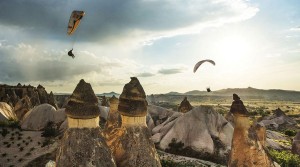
285,158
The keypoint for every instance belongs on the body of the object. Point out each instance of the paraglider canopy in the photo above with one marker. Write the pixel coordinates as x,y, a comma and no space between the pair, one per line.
74,21
197,65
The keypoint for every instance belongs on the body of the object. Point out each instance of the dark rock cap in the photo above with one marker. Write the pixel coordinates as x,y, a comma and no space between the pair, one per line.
185,106
237,106
83,103
132,101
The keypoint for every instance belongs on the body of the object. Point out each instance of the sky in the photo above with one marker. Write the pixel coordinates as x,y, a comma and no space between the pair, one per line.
254,43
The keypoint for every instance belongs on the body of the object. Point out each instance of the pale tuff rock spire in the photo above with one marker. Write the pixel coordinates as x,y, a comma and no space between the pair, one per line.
248,142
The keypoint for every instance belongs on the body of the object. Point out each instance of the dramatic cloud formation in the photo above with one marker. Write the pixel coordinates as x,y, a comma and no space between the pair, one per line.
106,20
150,39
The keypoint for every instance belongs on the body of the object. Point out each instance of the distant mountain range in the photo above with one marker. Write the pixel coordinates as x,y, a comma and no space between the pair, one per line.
249,93
110,94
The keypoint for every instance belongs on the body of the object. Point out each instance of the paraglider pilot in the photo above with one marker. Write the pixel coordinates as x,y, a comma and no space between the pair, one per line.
71,54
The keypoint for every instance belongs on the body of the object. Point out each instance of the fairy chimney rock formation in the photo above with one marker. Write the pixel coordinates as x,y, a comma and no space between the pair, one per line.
114,117
296,144
82,109
185,106
131,144
83,144
248,142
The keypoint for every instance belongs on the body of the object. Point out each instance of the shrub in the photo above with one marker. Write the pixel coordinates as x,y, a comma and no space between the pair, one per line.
46,142
27,154
21,149
8,145
50,130
290,133
32,148
168,163
20,160
285,158
4,132
4,155
175,147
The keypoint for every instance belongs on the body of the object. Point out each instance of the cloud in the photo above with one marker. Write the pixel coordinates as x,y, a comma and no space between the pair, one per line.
24,63
295,29
170,71
145,74
112,20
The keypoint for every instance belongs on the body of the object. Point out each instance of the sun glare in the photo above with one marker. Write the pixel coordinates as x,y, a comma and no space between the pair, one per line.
234,48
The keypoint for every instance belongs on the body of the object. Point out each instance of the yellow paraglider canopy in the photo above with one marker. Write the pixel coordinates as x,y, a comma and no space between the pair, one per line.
74,21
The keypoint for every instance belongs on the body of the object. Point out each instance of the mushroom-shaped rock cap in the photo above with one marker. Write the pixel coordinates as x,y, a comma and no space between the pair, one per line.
132,101
83,103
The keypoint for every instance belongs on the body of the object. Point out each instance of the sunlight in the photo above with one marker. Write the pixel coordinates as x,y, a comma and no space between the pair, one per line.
234,48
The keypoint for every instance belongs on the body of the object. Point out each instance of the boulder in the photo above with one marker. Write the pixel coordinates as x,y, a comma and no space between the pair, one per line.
201,131
39,116
278,121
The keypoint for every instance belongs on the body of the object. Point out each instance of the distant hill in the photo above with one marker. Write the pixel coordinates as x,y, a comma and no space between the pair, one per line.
110,94
246,93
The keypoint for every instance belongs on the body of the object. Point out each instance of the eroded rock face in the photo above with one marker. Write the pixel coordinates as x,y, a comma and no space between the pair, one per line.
43,95
84,147
132,147
296,144
202,131
51,100
22,107
6,112
23,98
185,106
114,118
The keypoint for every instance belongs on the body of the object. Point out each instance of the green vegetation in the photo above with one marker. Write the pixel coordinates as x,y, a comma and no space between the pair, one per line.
167,163
50,130
175,147
178,148
47,142
4,132
290,133
11,123
285,158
